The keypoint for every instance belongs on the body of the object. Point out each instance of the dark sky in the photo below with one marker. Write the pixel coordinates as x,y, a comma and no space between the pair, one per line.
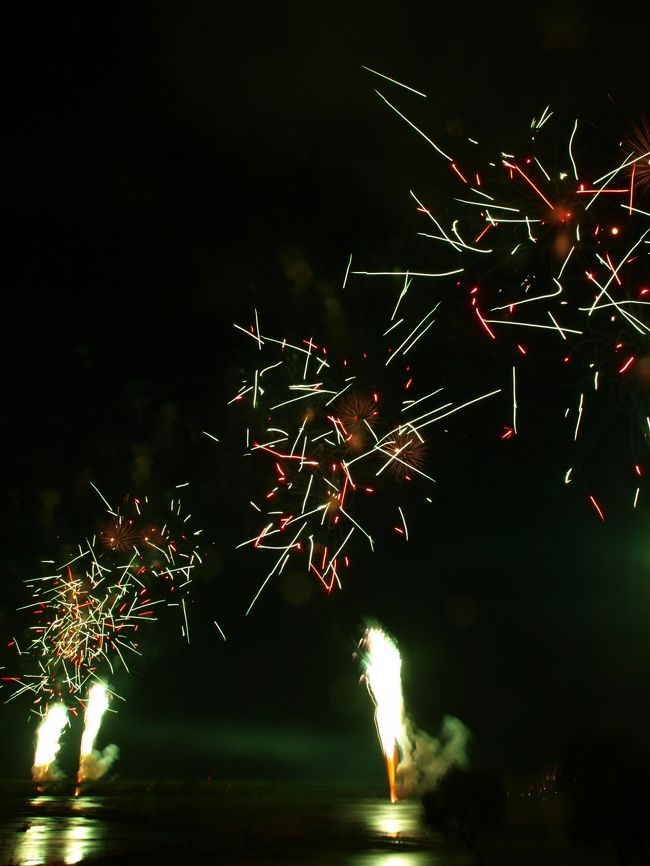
170,168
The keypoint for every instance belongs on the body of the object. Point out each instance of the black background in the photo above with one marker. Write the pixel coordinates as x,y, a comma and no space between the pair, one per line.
170,168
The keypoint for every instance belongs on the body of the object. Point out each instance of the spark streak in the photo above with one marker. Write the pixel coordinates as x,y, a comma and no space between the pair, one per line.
568,244
326,448
87,614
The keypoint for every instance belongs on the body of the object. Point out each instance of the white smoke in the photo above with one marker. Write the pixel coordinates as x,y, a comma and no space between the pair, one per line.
47,773
95,764
426,759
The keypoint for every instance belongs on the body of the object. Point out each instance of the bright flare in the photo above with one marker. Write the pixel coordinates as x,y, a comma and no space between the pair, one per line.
95,709
47,741
382,673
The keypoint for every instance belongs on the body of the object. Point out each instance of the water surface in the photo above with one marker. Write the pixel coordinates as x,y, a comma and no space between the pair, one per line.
259,823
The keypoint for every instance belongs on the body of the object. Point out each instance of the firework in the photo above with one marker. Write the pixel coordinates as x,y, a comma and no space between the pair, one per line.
331,443
548,253
93,764
163,553
88,613
415,761
48,735
382,674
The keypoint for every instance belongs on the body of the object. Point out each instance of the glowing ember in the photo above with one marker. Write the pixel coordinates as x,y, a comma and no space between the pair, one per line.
382,674
47,742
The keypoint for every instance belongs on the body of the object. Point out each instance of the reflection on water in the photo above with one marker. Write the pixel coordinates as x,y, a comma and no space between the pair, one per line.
397,828
58,830
314,826
402,858
393,820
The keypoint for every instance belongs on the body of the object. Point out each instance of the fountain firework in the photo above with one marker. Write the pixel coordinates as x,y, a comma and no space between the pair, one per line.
415,760
382,674
93,764
47,742
87,614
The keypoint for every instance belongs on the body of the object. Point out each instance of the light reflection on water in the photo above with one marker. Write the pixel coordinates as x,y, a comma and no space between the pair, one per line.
396,826
332,827
399,858
394,820
57,830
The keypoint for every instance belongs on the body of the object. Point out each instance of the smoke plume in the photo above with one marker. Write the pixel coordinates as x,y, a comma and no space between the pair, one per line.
97,763
426,759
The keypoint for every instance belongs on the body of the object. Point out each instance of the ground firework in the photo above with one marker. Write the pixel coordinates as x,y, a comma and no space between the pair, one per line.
92,763
47,742
382,674
415,760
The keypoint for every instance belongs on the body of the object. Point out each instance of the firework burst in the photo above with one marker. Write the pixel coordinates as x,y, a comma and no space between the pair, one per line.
328,439
547,249
88,613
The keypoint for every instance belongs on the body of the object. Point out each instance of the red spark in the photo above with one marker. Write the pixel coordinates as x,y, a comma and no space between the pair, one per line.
597,507
458,172
484,323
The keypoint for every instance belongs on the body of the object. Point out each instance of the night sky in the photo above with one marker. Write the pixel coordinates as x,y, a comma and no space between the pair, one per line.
172,168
